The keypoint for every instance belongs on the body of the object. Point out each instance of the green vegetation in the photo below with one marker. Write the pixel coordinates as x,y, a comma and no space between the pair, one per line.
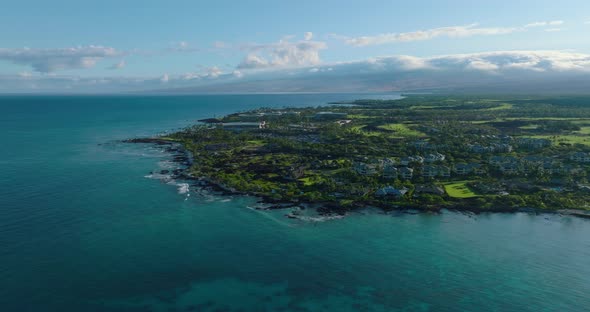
459,190
584,131
401,130
567,139
424,152
502,106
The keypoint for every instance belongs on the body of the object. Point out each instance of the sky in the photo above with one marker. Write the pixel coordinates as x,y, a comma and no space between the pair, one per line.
102,46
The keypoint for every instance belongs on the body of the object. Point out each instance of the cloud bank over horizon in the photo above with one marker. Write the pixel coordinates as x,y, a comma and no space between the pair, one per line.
386,73
52,60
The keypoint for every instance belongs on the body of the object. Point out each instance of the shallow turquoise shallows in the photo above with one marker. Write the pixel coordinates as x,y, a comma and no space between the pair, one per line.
84,226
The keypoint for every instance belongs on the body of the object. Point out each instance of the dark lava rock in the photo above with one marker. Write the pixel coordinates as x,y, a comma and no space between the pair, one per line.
177,171
148,140
180,159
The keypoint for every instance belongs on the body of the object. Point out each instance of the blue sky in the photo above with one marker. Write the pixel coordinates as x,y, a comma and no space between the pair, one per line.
196,40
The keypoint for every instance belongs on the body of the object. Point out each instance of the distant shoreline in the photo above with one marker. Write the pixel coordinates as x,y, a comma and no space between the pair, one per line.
288,182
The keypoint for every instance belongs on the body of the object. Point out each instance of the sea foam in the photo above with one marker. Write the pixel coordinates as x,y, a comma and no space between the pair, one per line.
183,188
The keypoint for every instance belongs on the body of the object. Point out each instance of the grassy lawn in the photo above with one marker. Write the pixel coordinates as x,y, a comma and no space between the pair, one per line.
571,139
335,171
545,118
479,122
255,142
401,130
459,190
312,178
307,181
359,130
353,116
426,106
571,119
584,130
501,106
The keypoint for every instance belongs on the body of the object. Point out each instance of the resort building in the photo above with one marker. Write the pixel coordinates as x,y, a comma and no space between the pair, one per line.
429,189
436,171
430,158
533,143
406,173
391,191
463,168
412,159
364,168
390,172
580,157
241,126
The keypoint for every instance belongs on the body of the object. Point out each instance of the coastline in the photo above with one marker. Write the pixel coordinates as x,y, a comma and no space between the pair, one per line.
419,152
183,157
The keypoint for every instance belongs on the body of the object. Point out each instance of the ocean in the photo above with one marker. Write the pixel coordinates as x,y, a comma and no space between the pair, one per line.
84,226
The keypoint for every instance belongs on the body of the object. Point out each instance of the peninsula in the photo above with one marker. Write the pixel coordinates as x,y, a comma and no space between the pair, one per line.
424,152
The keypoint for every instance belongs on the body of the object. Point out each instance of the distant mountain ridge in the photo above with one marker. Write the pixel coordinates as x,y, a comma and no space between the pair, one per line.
458,82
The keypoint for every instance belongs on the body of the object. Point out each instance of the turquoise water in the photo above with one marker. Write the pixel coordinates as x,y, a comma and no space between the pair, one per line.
83,229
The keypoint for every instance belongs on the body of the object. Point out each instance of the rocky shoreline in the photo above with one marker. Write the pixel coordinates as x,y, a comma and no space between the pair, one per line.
184,158
327,209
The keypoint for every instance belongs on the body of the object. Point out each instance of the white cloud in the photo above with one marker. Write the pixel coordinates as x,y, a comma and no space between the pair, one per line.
539,61
52,60
308,35
253,61
482,65
561,70
587,22
320,69
544,24
213,72
497,63
190,76
237,74
283,54
451,32
165,78
552,29
407,62
118,65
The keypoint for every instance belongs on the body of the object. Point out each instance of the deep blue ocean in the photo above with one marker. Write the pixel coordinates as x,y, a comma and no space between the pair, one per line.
85,227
